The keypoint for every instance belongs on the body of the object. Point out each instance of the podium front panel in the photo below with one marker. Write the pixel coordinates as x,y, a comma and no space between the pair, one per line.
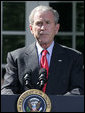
59,103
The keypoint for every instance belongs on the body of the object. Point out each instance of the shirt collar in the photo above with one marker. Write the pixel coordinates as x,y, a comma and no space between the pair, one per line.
50,48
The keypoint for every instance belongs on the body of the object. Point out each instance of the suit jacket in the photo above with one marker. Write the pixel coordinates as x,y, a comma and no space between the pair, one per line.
65,71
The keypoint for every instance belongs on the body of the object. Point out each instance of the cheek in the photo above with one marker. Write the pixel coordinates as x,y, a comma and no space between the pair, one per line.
36,29
36,32
51,28
52,31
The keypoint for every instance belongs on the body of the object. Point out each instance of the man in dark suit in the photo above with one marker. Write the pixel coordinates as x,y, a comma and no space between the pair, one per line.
65,75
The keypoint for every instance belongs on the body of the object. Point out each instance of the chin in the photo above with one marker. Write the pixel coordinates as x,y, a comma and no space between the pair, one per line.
43,41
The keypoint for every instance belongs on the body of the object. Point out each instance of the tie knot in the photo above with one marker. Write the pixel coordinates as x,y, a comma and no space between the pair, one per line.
44,52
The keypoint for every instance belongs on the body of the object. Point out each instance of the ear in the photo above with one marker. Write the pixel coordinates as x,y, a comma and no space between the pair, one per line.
30,26
57,28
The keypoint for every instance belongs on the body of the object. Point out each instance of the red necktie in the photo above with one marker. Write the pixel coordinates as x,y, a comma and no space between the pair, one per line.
44,64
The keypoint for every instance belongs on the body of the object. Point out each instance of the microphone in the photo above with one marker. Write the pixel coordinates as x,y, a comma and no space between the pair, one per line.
42,78
27,79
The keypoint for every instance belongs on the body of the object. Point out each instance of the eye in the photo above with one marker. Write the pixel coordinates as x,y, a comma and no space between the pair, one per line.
39,23
47,22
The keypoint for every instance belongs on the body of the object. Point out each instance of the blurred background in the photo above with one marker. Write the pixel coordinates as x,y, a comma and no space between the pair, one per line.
15,31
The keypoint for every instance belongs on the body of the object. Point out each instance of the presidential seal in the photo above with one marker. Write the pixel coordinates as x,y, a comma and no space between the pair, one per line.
33,100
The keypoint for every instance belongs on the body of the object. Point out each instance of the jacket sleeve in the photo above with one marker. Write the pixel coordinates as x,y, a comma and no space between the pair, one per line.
11,84
77,77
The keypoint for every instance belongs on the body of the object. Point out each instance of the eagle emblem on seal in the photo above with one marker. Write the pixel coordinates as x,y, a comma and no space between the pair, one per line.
33,105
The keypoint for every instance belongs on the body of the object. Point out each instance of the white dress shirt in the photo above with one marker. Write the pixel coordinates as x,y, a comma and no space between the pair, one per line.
49,49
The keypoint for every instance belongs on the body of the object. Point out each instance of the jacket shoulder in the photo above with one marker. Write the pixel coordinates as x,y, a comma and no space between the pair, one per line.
71,51
66,49
19,53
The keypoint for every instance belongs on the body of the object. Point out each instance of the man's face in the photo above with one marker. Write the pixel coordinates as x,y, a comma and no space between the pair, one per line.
44,28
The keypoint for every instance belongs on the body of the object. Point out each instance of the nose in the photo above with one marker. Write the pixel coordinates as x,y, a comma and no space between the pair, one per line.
43,27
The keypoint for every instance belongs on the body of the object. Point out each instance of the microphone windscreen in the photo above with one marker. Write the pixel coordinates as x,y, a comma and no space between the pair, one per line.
43,71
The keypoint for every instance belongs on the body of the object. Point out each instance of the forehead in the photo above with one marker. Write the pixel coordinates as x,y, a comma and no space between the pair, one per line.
39,15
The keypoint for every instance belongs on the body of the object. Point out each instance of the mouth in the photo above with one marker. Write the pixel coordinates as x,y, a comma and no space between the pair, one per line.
41,33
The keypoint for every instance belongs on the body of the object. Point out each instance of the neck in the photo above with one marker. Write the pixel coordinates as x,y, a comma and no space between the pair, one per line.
45,45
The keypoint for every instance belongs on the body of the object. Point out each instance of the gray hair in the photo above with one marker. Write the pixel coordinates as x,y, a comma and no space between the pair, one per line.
43,8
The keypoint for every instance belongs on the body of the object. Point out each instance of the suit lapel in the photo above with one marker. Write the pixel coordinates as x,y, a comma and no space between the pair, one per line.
31,57
56,68
56,58
31,60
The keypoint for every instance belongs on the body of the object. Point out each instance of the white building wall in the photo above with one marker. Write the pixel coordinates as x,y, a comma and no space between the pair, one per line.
30,5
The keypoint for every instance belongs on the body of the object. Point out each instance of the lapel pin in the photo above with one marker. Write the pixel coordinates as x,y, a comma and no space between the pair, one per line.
60,60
